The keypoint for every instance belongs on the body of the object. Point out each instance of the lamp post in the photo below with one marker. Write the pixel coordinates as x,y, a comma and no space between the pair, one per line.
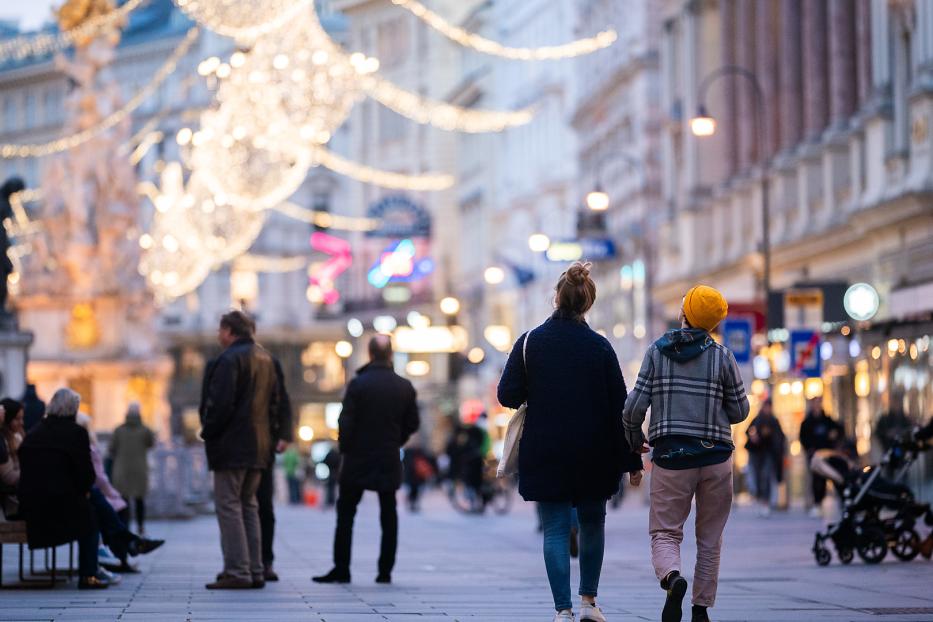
703,124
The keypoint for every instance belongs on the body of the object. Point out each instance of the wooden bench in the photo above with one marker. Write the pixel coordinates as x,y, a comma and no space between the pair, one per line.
14,532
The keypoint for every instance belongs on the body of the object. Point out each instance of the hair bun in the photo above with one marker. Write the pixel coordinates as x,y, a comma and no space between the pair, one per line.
578,273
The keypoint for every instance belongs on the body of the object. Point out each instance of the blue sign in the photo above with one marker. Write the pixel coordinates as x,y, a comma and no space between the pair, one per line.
737,336
587,249
805,353
399,217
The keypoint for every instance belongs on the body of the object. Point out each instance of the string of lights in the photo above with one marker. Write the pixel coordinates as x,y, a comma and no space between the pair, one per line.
19,48
243,20
442,115
38,150
269,263
493,48
384,179
326,220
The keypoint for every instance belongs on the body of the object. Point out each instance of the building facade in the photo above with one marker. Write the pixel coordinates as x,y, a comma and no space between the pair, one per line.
828,112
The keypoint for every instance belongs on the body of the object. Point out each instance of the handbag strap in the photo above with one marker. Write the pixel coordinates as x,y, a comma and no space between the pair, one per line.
524,351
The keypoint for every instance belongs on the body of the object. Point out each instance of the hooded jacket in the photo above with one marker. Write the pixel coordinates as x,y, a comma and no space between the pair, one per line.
693,387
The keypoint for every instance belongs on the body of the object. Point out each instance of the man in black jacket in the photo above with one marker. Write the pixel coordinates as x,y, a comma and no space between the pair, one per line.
818,431
380,413
241,394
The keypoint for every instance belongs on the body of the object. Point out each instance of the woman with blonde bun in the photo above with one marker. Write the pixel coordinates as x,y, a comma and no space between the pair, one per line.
573,450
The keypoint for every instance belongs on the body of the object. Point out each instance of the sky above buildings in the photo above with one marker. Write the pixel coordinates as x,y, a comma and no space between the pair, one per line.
29,13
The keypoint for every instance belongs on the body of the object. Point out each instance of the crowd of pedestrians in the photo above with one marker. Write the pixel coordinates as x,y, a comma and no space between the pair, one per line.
583,433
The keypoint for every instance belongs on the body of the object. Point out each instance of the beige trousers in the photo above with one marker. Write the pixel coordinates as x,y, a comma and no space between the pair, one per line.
671,495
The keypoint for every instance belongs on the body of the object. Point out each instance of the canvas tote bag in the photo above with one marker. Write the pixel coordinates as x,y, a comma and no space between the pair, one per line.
508,464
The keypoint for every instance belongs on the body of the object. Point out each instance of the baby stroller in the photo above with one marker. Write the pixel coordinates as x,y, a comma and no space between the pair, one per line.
877,513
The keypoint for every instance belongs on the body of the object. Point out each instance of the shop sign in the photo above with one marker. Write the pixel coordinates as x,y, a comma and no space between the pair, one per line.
399,217
737,336
805,353
589,249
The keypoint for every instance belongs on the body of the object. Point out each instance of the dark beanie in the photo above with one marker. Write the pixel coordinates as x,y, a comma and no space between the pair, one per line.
11,408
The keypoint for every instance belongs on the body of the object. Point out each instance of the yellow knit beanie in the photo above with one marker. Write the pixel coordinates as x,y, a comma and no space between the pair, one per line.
705,307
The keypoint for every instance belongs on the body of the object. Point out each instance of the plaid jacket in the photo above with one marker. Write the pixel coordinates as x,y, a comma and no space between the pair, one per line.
702,397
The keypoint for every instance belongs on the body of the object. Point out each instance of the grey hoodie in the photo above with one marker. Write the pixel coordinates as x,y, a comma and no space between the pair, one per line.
693,387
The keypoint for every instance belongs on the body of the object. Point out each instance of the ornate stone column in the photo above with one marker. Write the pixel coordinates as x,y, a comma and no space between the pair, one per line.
766,25
815,77
863,50
745,95
791,83
727,49
842,59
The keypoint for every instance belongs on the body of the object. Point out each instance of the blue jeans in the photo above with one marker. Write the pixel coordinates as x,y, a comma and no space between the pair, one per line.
556,519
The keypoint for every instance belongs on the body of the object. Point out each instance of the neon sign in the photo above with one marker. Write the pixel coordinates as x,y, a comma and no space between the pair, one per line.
399,264
322,278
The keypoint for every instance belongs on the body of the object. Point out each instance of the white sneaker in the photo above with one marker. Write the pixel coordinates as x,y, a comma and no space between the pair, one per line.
816,512
591,613
565,615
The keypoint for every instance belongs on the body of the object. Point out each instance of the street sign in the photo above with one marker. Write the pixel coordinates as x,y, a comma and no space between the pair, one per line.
737,336
589,249
803,307
805,353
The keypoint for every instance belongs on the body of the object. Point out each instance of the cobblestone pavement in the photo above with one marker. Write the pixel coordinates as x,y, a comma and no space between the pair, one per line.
456,567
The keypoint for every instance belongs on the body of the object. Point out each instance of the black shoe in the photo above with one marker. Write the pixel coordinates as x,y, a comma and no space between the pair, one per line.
699,614
676,589
141,546
269,574
126,568
258,583
574,543
334,576
384,577
92,583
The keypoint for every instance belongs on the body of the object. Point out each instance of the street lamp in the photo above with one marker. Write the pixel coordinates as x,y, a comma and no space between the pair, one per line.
597,199
494,275
539,243
703,125
450,306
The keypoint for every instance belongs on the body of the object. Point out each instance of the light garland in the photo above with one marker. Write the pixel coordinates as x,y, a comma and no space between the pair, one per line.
38,150
416,107
238,18
384,179
19,48
326,220
267,263
493,48
440,114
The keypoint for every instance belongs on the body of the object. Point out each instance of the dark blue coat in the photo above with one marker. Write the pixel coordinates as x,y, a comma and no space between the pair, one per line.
380,413
573,446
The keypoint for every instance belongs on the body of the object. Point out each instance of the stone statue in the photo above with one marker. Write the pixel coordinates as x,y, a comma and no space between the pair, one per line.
9,187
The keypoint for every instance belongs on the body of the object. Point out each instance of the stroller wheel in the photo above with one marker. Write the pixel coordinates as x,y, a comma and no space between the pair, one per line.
906,544
822,555
872,546
846,555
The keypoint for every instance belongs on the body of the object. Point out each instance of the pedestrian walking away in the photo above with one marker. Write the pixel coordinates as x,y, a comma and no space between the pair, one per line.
240,396
280,429
380,413
766,446
129,447
573,450
693,387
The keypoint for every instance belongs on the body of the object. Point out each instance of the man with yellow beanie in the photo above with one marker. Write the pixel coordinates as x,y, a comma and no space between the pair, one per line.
693,387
